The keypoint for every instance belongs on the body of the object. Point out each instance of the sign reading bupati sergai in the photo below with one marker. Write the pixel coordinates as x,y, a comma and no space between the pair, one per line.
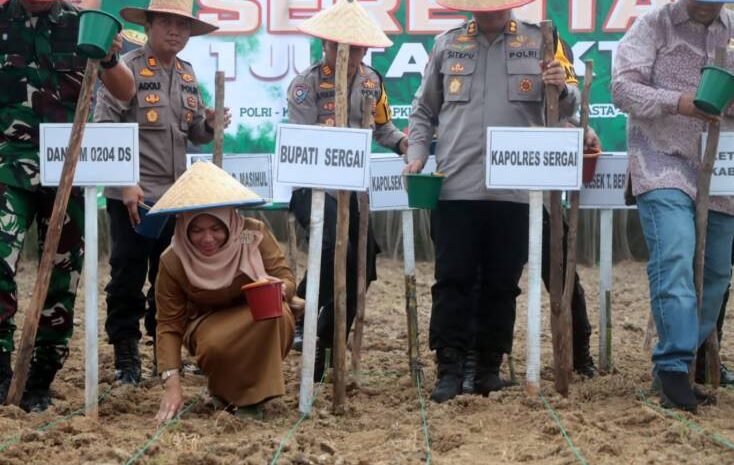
534,158
253,171
606,188
387,191
722,179
109,154
323,157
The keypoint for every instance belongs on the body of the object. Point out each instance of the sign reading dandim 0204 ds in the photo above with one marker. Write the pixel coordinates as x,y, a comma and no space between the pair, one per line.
109,154
534,158
323,157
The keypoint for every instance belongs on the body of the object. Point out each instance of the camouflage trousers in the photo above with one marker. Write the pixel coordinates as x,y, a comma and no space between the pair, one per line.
18,209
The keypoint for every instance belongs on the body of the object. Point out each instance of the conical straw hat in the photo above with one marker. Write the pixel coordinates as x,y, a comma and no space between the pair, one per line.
183,8
204,186
346,22
483,5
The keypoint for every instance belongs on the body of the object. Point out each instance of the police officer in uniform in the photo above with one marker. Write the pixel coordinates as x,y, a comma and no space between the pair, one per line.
311,101
487,72
169,110
40,77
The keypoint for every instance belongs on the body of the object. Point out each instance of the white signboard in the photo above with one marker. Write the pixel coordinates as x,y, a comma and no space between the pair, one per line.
722,179
323,157
386,182
109,154
534,158
253,171
606,188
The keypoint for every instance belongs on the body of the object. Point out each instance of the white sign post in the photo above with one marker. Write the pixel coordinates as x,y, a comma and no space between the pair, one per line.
606,193
109,157
722,179
534,159
320,158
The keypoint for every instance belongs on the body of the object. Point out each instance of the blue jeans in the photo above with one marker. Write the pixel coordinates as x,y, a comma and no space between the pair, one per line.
669,225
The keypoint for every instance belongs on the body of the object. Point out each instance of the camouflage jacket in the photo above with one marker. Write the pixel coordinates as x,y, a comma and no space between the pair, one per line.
40,78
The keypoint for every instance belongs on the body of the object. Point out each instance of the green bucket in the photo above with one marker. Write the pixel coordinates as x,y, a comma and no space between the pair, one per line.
423,190
715,91
97,29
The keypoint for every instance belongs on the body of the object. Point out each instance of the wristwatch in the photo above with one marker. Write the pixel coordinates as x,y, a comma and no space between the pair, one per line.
168,373
111,63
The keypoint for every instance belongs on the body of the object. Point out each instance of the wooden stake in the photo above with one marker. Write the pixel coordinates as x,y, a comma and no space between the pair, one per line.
560,322
713,363
218,118
364,217
650,333
51,244
292,244
342,240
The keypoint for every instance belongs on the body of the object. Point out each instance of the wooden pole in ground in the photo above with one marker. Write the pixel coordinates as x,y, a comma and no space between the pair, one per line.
364,216
91,331
560,320
292,244
713,363
650,333
342,240
51,244
218,118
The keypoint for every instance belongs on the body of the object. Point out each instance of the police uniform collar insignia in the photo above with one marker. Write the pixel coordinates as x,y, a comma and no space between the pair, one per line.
471,28
152,98
152,62
187,77
362,72
326,70
146,72
511,27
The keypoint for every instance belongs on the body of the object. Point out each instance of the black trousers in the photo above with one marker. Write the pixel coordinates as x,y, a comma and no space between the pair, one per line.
579,315
469,236
132,259
300,205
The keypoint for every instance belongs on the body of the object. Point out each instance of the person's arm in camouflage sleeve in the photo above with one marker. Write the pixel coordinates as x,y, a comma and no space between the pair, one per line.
426,107
385,133
302,102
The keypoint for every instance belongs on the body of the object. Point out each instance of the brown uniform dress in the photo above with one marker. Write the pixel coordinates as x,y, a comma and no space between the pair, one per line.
242,358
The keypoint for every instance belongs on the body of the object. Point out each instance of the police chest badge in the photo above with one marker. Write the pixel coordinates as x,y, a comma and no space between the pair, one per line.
457,68
326,70
329,106
152,99
192,102
526,86
189,116
300,93
369,84
146,72
152,116
326,85
455,85
187,77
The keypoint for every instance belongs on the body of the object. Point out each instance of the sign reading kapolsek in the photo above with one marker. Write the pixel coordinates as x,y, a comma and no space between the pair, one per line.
534,158
387,191
606,188
253,171
323,157
722,179
108,157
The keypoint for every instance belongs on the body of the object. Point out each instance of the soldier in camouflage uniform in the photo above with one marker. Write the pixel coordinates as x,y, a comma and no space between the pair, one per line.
311,100
41,76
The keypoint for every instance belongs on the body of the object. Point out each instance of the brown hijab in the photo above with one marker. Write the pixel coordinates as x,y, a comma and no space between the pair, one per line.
238,254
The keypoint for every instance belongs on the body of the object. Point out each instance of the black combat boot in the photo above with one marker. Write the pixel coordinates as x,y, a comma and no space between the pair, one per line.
487,377
322,362
298,336
37,395
450,374
6,375
470,366
583,363
127,362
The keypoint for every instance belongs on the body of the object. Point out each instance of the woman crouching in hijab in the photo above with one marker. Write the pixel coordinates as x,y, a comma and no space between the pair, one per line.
200,305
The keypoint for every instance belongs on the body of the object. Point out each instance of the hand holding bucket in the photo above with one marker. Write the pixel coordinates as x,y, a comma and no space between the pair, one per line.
97,30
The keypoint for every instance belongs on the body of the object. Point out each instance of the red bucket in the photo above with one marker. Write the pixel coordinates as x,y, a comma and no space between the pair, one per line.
265,299
589,166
